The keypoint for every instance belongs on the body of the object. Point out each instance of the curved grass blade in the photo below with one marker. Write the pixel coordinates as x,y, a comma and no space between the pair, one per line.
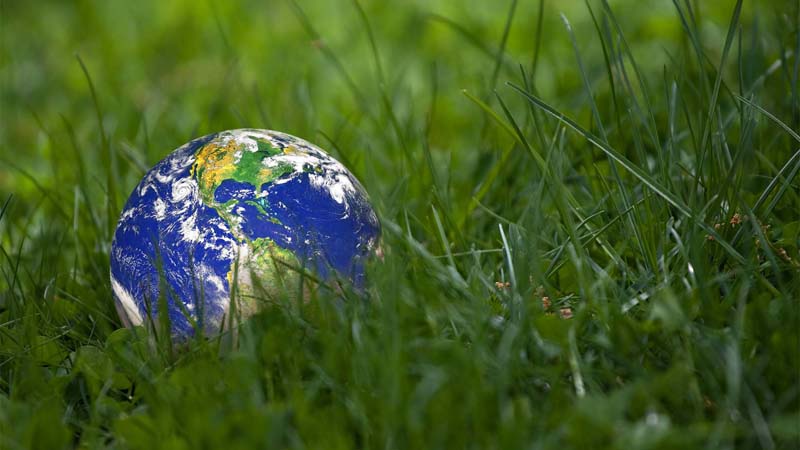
646,179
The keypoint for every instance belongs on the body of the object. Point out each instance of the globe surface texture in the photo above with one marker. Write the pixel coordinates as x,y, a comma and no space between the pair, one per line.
236,210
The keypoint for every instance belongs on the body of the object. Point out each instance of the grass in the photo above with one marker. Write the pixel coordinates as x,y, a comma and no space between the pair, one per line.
590,223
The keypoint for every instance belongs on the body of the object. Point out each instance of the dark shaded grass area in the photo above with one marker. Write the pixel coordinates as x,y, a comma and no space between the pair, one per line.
590,217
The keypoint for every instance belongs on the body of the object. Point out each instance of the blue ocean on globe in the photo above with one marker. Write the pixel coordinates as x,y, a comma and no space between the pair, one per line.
244,208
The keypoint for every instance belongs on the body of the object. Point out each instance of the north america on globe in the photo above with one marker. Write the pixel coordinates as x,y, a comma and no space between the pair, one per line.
240,210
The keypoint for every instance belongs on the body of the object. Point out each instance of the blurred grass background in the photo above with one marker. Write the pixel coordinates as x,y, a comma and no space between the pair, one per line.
165,73
675,340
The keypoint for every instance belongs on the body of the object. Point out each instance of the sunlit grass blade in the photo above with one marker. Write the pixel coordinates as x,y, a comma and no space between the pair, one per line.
635,171
621,188
502,48
107,155
712,104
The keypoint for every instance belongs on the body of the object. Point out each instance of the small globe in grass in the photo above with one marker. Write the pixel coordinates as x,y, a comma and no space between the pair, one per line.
242,210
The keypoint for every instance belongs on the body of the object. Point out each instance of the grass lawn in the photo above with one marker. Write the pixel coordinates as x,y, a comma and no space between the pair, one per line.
590,213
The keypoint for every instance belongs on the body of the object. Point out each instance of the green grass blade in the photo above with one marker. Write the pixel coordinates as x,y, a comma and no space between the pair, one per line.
632,168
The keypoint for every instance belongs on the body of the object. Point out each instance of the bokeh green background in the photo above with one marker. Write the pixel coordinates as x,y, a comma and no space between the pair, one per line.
166,72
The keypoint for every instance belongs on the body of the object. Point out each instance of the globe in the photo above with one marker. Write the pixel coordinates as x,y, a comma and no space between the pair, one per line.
230,218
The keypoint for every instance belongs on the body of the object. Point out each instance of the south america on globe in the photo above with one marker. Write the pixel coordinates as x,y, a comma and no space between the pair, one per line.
231,212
